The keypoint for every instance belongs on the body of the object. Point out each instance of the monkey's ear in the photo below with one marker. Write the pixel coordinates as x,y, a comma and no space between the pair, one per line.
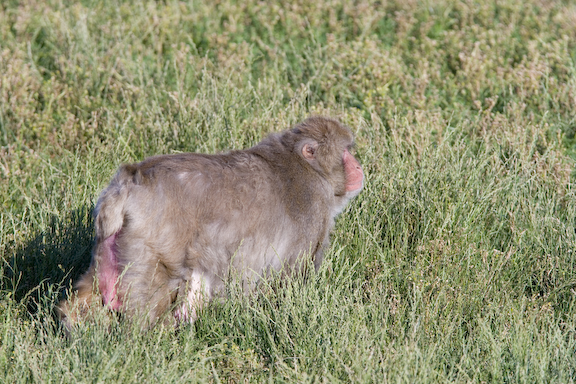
309,151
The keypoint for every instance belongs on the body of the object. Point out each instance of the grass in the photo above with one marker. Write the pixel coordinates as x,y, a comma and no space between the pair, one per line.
455,264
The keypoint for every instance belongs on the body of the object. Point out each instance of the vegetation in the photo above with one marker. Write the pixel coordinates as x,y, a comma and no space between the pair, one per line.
456,263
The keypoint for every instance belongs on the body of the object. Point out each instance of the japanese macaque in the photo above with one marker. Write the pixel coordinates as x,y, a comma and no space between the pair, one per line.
171,229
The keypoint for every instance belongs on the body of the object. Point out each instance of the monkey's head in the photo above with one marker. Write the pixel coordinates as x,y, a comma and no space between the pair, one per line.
325,145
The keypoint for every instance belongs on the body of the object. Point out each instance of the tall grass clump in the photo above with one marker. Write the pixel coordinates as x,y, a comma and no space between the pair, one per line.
455,264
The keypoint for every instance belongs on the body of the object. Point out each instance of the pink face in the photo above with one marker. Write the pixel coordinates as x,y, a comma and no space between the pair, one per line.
354,174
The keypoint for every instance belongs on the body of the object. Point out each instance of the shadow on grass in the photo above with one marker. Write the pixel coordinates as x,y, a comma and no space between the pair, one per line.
41,269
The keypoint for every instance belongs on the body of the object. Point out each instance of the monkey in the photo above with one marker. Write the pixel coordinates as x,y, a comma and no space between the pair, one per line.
170,229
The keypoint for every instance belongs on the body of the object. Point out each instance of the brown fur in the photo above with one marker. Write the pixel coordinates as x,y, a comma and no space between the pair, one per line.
181,223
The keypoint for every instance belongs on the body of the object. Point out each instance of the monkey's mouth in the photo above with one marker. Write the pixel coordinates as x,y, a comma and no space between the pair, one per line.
355,186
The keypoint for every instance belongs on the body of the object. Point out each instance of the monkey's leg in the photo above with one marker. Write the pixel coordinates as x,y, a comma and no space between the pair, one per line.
148,283
104,271
198,292
80,301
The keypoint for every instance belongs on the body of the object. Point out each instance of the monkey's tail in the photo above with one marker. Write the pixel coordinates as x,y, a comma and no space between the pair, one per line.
110,208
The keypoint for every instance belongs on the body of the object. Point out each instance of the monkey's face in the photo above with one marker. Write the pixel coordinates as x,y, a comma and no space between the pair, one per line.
354,174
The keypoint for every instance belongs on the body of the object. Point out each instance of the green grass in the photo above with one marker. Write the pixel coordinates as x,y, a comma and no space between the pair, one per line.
456,263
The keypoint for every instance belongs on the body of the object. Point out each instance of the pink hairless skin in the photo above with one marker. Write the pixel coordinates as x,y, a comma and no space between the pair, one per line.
109,275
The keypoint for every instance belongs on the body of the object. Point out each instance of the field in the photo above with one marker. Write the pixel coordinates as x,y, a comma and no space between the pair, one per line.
457,263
